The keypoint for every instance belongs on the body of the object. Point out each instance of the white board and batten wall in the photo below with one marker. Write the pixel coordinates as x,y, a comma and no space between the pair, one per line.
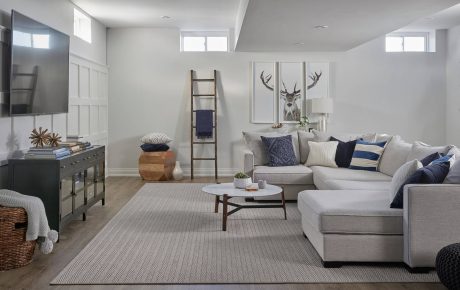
88,100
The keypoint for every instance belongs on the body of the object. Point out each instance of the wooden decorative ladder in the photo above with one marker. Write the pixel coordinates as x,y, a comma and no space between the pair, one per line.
194,95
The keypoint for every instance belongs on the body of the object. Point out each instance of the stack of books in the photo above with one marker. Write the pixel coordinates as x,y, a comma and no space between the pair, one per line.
76,144
47,153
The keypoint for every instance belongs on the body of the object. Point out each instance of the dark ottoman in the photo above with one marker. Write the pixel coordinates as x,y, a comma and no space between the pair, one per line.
448,266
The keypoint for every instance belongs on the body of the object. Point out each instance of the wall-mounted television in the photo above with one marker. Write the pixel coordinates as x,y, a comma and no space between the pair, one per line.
39,79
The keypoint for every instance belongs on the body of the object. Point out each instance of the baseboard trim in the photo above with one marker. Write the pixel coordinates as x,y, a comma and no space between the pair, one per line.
199,172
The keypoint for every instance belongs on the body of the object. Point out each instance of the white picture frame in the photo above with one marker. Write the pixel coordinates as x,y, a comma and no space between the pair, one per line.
263,99
291,92
321,88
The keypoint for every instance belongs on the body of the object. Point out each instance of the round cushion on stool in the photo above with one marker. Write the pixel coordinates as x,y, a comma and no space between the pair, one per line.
448,266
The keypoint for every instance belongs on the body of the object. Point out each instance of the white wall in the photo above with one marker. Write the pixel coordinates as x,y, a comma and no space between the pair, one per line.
14,132
373,91
453,86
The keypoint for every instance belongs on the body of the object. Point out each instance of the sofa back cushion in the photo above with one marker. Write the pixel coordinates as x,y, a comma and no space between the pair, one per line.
344,137
453,177
280,151
322,154
421,150
394,156
304,137
257,147
367,155
454,151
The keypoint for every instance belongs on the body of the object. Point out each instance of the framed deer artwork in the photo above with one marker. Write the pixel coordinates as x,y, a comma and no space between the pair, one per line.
291,92
317,80
263,105
280,89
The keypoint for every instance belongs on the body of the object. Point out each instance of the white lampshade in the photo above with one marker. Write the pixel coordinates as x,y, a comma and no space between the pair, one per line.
320,106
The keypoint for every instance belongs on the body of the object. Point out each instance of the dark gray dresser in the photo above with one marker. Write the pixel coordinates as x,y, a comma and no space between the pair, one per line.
68,187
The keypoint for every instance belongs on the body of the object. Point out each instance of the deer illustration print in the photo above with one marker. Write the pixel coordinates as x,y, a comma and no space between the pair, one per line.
291,110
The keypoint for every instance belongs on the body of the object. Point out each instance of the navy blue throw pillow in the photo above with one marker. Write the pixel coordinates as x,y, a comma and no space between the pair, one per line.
431,174
154,147
344,152
430,158
280,151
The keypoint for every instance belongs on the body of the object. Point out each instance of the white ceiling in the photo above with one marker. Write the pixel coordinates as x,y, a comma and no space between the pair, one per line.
444,19
273,25
277,25
185,14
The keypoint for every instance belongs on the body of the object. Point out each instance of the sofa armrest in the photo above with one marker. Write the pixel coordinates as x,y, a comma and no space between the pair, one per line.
431,221
248,162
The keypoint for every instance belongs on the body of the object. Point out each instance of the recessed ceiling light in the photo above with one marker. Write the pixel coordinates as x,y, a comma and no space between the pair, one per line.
165,17
321,26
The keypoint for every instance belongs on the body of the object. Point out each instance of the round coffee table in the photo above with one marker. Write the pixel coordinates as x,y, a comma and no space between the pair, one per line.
227,191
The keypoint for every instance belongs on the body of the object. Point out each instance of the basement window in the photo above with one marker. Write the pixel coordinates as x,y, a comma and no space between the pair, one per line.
407,42
204,41
81,25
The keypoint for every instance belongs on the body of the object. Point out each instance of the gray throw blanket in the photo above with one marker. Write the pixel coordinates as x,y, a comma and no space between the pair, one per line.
37,222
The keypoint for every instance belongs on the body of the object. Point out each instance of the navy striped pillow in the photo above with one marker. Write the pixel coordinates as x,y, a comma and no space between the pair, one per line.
367,155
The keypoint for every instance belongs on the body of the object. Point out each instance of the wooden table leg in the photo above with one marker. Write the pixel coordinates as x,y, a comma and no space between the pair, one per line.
224,220
216,206
284,204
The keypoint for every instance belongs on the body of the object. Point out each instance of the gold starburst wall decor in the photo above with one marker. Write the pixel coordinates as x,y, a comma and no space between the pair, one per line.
39,138
54,139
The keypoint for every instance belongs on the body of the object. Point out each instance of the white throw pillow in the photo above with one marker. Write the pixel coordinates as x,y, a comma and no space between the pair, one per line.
322,153
401,175
156,138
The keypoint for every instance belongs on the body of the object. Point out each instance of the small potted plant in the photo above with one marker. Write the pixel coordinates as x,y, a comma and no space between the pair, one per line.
241,180
303,123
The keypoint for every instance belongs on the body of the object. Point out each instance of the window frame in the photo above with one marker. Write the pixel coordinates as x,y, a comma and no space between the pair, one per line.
77,28
425,35
204,34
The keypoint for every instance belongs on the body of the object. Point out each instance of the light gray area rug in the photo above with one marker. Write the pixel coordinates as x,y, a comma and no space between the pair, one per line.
169,234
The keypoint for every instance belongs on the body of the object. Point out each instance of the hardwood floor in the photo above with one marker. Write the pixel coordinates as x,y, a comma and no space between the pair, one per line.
77,234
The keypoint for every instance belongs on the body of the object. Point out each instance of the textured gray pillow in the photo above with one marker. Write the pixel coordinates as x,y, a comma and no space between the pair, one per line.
401,175
453,177
255,144
304,137
421,150
394,156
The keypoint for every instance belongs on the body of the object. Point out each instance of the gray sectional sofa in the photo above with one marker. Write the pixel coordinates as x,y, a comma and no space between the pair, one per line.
346,213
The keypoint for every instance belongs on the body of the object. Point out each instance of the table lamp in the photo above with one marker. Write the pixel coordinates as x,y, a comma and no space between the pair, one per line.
322,106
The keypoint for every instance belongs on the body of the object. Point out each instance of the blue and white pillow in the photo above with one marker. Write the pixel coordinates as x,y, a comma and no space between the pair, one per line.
367,155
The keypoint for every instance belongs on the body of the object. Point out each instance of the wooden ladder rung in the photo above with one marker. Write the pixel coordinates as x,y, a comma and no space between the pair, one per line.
204,142
203,80
204,95
204,158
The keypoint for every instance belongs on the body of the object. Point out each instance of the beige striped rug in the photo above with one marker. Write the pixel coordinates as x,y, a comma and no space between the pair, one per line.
169,234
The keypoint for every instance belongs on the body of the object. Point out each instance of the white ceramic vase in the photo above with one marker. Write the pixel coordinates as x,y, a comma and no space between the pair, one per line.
177,173
242,182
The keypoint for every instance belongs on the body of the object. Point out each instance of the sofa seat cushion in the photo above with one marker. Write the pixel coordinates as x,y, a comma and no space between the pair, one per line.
321,174
333,184
297,174
350,212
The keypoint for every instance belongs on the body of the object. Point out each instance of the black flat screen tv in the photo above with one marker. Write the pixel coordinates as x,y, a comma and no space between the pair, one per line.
39,79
